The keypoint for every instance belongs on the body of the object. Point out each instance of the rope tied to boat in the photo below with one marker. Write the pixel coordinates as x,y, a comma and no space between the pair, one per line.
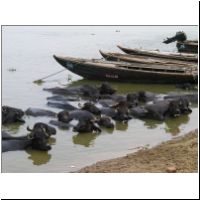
41,80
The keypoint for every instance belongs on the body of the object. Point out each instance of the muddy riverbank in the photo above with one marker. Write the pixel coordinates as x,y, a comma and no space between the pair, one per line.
177,155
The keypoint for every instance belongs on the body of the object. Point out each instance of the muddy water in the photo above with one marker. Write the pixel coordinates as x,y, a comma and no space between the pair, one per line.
27,56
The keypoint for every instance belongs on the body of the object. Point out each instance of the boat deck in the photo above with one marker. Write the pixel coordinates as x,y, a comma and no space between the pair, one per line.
146,60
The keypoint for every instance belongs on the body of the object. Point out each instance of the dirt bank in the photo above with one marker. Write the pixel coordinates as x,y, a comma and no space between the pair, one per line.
177,155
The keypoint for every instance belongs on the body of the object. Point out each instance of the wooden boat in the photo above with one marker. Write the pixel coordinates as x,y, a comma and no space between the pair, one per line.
128,72
188,46
145,60
166,55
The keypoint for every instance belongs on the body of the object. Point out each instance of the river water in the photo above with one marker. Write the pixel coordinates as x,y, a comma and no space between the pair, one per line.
27,56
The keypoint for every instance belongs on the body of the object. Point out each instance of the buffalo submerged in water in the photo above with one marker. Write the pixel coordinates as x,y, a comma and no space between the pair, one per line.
102,107
37,139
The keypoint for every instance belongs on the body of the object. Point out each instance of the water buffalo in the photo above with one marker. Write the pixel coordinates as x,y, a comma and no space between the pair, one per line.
145,96
118,98
141,96
58,90
10,143
184,105
83,90
91,108
40,133
111,100
65,116
61,125
11,115
90,92
191,97
132,99
106,102
113,97
139,112
37,139
36,112
111,112
105,96
122,111
105,88
63,98
63,105
105,122
86,126
161,110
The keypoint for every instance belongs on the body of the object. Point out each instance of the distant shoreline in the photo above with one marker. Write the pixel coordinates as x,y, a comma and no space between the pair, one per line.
177,155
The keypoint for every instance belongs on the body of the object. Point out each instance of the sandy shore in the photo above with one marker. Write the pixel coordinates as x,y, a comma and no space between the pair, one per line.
177,155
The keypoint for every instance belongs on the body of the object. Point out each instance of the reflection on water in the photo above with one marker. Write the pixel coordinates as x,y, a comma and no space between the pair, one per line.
173,124
52,141
121,126
12,128
151,123
108,130
125,88
85,139
39,157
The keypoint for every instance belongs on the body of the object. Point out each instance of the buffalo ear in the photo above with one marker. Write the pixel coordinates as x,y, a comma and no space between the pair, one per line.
45,128
28,129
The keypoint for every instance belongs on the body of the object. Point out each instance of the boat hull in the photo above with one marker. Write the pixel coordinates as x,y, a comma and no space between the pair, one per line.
158,55
146,60
187,47
123,75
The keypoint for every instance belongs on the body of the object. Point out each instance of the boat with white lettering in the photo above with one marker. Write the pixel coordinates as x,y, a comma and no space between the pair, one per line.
99,69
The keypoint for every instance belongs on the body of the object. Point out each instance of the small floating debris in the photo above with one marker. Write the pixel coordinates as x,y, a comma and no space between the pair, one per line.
117,31
93,34
39,82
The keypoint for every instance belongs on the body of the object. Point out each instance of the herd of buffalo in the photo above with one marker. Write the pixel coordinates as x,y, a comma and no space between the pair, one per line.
102,106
